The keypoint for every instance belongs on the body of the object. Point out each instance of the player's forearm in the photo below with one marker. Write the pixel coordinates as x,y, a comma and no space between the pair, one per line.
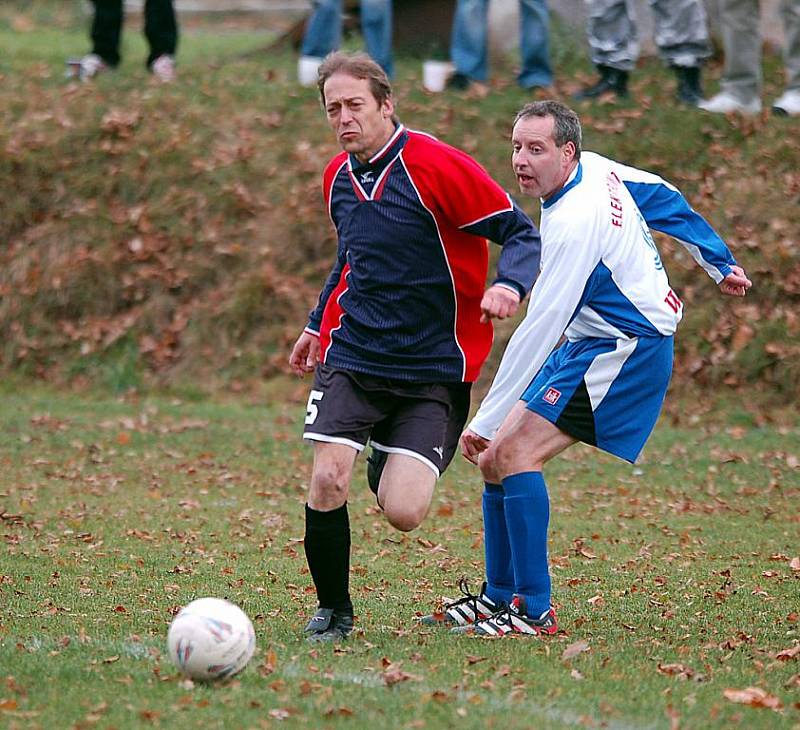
518,264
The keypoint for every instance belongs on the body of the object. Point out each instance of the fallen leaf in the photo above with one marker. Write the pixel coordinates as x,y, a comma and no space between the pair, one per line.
472,659
681,671
753,696
574,649
787,654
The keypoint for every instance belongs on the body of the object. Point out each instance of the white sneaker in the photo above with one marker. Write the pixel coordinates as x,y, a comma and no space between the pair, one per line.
163,68
788,104
91,65
725,103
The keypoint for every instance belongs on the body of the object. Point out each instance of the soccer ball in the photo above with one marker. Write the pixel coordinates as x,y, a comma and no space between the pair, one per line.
211,638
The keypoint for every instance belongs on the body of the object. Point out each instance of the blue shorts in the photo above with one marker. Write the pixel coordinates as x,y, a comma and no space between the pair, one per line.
604,392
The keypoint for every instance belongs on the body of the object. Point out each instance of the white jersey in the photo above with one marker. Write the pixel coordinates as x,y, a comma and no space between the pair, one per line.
601,275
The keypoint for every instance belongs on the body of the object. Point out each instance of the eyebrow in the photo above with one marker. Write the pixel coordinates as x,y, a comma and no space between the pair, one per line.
357,97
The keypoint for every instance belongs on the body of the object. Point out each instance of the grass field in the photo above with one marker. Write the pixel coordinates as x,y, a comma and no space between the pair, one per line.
676,581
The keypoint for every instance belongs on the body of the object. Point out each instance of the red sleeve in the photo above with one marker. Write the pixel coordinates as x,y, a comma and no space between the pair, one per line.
329,175
450,181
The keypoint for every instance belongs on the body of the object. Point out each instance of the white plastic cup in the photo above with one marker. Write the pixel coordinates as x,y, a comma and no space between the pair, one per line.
435,75
307,68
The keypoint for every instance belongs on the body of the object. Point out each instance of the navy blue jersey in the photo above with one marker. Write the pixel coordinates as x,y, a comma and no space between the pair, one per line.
403,298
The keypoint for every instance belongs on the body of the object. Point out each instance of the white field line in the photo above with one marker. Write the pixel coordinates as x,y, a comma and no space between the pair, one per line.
497,702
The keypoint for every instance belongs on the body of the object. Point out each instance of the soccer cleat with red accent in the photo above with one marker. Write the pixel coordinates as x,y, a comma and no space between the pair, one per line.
512,620
464,611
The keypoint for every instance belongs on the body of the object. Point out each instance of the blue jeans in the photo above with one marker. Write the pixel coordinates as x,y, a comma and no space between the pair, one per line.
469,49
324,30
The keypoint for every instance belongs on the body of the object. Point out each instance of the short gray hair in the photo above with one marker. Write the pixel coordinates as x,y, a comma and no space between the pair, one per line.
566,125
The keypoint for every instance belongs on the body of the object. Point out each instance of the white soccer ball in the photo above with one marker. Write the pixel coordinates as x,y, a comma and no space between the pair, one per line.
211,638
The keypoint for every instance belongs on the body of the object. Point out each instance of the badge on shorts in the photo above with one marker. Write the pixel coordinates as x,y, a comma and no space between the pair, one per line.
551,396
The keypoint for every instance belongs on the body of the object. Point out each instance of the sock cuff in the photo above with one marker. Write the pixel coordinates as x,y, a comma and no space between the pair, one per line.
492,489
334,518
523,484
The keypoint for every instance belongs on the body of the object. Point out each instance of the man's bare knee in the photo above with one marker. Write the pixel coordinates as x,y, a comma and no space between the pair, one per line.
330,483
405,518
488,467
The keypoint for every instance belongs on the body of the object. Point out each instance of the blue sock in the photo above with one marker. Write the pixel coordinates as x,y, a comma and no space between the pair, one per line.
527,509
499,571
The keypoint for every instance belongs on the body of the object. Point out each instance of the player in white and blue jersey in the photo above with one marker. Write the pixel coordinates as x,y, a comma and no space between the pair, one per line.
603,289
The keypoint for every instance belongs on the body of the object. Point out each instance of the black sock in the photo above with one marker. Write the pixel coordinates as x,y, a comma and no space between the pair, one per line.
327,545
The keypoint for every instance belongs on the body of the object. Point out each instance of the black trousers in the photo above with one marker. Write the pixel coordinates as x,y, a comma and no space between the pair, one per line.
160,29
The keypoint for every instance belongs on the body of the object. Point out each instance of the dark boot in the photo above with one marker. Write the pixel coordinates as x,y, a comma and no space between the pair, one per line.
611,80
459,82
689,90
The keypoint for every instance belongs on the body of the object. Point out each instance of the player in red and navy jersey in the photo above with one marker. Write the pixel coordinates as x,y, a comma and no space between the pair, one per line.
403,325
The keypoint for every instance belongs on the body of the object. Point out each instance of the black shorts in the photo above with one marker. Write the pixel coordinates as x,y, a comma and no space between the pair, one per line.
422,420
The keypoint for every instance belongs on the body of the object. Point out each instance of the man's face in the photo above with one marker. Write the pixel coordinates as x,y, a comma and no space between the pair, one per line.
362,126
540,166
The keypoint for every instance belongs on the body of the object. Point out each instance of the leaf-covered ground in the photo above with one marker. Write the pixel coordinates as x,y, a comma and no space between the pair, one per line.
676,581
177,232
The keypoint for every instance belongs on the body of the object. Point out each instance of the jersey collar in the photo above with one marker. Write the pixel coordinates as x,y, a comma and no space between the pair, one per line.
366,176
572,181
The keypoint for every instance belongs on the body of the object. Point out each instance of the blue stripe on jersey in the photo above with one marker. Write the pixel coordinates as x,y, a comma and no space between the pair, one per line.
666,210
604,296
561,193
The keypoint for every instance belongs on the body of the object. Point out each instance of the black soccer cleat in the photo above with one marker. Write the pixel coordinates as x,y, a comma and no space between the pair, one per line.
329,624
375,463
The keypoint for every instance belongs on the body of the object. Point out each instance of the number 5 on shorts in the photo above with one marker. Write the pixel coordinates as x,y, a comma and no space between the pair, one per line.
311,408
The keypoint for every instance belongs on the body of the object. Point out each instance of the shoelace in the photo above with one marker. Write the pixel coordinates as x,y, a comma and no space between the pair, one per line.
502,617
469,598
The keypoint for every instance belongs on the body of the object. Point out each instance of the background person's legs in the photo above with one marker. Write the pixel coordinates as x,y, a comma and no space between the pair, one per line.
612,35
469,48
681,34
107,30
376,27
789,101
535,44
160,29
324,30
741,40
